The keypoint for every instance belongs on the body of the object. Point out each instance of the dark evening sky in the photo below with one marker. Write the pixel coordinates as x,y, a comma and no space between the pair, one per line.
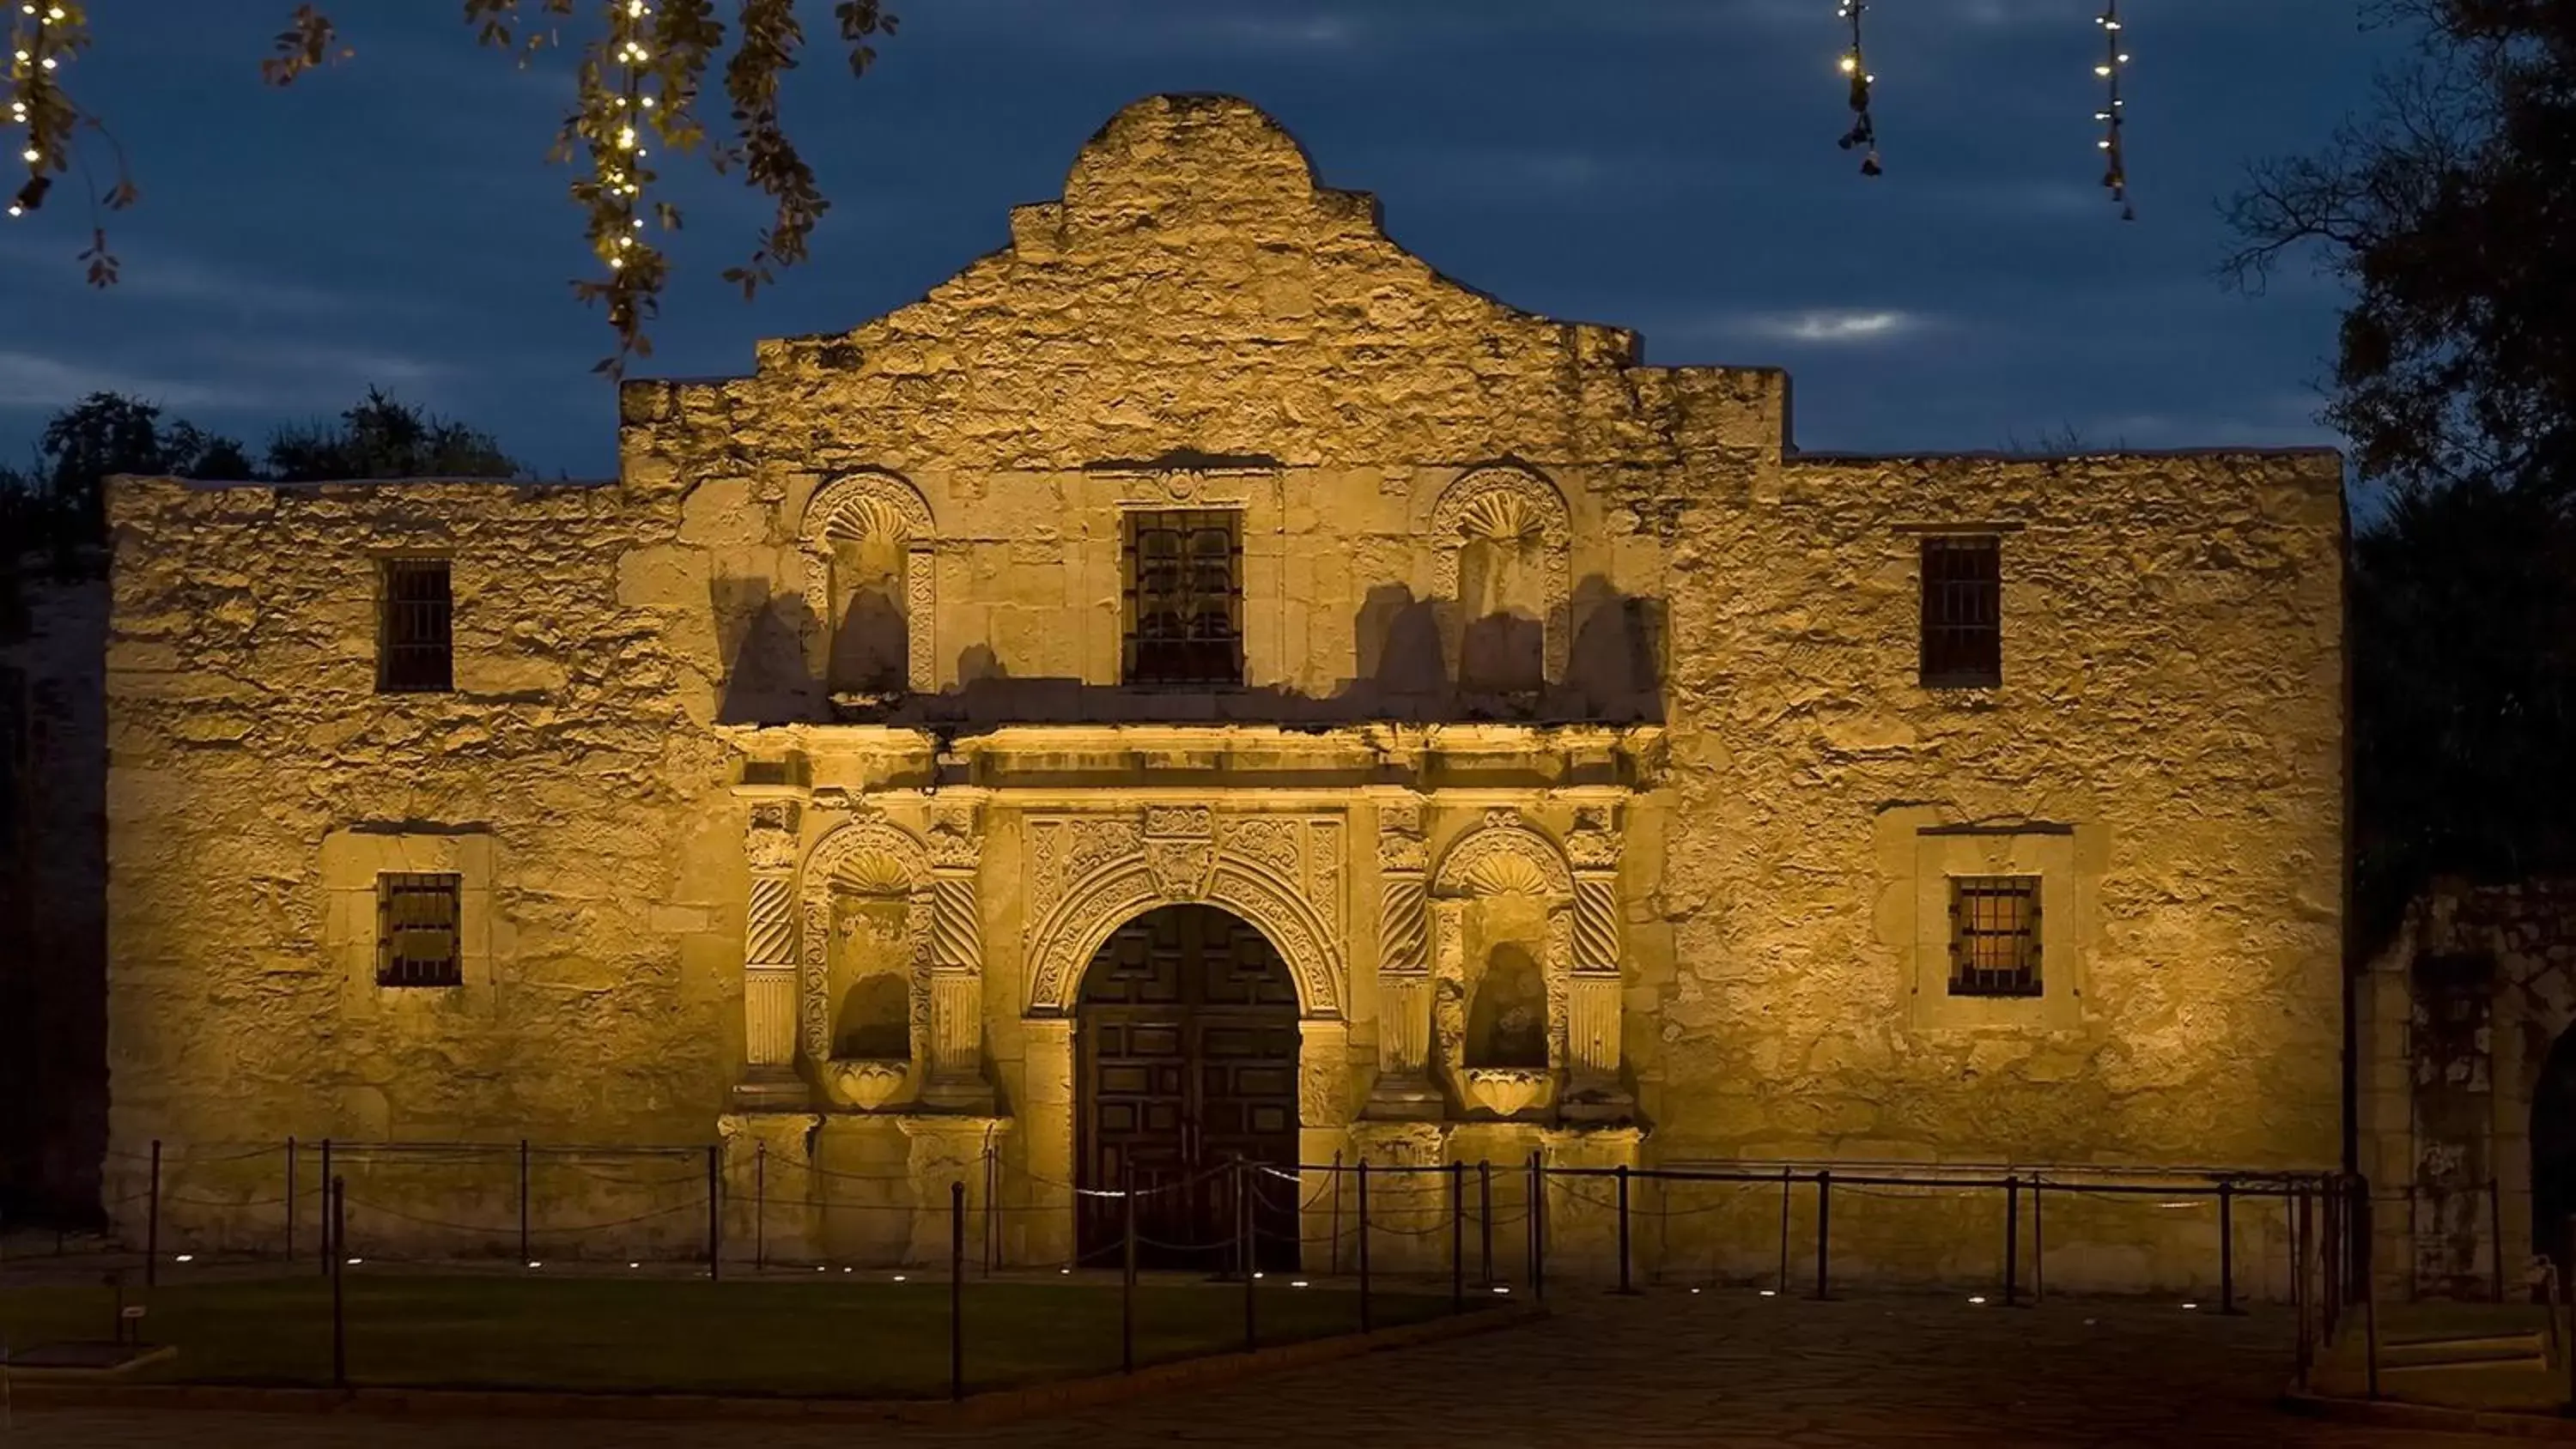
1666,165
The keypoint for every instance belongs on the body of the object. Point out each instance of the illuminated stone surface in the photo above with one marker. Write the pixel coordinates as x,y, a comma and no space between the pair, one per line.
1551,657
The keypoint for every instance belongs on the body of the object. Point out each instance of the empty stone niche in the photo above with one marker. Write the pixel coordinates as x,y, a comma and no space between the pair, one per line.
1503,606
870,645
870,986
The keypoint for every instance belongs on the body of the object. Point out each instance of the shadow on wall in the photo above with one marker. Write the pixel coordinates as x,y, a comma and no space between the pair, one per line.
1419,661
53,906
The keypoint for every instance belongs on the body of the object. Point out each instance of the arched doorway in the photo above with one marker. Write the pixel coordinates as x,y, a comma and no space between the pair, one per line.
1185,1064
2553,1150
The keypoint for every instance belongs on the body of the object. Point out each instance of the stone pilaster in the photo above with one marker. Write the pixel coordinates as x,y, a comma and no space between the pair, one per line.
956,1080
769,959
1593,985
1404,1089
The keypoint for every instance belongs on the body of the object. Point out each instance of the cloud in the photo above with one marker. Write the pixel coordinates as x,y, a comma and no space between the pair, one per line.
1833,326
31,381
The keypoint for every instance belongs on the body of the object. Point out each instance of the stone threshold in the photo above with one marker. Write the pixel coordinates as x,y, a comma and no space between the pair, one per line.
990,1407
2433,1418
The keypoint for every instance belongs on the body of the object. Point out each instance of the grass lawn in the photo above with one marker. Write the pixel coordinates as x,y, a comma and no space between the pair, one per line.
876,1340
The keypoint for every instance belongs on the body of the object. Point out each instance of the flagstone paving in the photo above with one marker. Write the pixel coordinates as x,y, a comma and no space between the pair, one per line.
1668,1369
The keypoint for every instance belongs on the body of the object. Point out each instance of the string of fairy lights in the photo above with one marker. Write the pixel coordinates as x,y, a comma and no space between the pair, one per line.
1863,135
43,36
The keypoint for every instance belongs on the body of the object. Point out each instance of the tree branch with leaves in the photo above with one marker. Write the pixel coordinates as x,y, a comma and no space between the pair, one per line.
642,67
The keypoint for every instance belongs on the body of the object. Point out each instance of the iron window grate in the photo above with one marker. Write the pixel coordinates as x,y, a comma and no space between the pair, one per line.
1963,639
1994,935
417,930
1184,598
415,630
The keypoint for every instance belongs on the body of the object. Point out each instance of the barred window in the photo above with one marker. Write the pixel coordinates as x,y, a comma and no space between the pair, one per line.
1963,639
415,649
417,923
1184,597
1994,935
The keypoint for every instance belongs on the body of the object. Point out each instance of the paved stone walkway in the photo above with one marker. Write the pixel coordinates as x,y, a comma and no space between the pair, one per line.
1672,1369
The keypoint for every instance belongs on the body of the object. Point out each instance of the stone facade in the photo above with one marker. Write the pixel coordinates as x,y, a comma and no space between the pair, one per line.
2467,1088
792,785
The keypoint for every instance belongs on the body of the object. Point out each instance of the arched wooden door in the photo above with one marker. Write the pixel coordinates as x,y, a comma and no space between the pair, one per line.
2553,1152
1186,1062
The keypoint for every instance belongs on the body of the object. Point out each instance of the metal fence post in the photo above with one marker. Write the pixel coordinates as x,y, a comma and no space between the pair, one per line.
759,1206
328,1252
1127,1274
1364,1248
2495,1234
1336,1249
1457,1236
290,1199
2370,1329
1538,1228
2038,1244
957,1290
1784,1231
2226,1246
525,1254
1824,1225
1485,1224
335,1240
715,1211
152,1221
1243,1173
2012,1241
1624,1285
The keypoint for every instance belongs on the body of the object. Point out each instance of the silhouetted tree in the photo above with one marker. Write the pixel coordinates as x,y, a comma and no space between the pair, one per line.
2451,211
382,438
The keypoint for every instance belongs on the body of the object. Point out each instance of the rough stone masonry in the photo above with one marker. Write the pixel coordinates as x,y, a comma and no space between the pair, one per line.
1556,743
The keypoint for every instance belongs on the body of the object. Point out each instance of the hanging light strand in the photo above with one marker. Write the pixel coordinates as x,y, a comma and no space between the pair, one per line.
44,35
1863,135
2115,60
617,118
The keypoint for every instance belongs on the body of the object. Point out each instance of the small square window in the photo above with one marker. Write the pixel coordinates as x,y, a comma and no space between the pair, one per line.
1185,598
1963,638
418,921
414,627
1994,935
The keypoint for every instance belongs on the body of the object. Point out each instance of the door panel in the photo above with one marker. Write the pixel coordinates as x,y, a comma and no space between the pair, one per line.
1187,1063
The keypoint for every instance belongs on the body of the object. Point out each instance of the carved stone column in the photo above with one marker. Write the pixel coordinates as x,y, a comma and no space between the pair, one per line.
1593,985
1404,1089
956,1057
769,844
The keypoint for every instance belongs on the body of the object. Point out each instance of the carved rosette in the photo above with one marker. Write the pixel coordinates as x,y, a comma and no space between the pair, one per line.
1180,850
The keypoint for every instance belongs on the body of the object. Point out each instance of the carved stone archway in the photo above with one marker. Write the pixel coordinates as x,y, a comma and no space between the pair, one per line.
1101,902
1510,504
872,505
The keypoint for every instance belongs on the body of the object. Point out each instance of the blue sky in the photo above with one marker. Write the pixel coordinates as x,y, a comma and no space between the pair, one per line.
1666,165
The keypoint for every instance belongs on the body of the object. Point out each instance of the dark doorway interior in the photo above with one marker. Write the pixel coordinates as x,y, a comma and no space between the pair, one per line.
1186,1054
2553,1151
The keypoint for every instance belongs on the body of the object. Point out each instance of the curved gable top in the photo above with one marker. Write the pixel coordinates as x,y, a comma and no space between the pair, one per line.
1195,292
